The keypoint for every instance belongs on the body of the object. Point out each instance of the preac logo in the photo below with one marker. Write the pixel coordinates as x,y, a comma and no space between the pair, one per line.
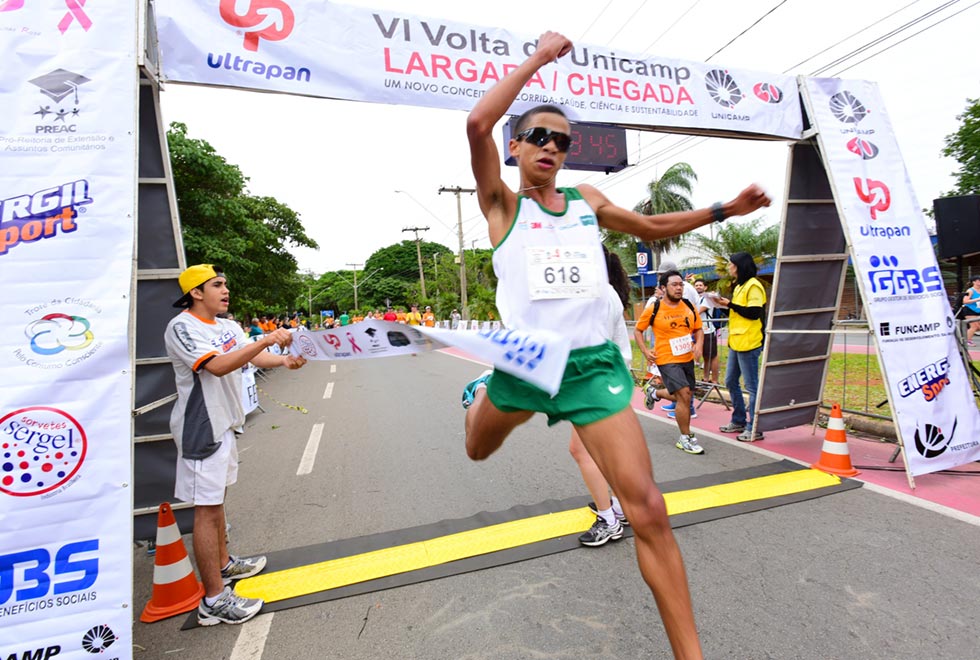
266,19
98,639
57,86
41,449
722,88
873,193
767,92
27,218
75,13
847,108
861,147
930,440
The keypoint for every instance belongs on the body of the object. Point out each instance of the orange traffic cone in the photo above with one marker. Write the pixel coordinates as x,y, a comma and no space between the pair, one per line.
175,588
835,458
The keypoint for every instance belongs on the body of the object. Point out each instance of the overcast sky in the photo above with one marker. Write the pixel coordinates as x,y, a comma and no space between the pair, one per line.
339,163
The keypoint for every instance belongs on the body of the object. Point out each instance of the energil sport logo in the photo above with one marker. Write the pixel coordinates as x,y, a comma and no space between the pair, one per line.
42,214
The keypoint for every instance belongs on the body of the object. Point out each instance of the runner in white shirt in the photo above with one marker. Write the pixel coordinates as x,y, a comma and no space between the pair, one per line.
710,353
208,354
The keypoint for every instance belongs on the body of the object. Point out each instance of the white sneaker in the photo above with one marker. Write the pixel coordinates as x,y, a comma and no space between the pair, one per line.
689,444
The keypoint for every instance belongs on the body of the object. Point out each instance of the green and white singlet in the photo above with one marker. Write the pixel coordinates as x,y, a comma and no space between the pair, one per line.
552,273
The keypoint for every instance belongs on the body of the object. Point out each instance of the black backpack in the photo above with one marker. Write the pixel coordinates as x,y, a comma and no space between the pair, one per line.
656,308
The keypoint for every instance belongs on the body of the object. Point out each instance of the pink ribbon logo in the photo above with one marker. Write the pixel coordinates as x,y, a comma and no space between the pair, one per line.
75,13
11,5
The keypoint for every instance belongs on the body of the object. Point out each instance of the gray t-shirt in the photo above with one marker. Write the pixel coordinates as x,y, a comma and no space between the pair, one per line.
207,405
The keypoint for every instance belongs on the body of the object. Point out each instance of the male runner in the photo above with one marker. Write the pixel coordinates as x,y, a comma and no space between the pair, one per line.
208,354
526,228
675,352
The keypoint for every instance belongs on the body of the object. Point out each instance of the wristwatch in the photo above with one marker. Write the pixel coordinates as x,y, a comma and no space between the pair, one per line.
718,212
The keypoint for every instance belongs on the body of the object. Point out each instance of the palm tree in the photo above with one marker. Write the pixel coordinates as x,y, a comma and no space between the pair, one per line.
671,192
749,236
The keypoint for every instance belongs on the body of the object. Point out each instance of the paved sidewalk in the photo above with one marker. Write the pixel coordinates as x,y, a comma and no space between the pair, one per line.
957,492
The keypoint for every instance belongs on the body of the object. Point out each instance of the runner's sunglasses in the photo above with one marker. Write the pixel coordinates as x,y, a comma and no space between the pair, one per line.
539,137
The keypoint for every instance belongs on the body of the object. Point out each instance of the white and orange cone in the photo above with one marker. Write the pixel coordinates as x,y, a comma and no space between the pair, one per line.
835,458
175,588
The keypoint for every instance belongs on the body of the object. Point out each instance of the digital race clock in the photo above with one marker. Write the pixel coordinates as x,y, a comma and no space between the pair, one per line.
595,147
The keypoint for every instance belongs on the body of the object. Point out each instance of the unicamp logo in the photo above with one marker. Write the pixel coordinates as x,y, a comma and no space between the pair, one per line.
41,450
723,88
98,639
847,108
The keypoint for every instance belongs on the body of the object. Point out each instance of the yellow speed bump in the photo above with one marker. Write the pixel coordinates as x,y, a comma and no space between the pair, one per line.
334,573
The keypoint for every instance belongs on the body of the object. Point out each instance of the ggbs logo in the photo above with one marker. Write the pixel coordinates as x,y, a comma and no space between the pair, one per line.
28,218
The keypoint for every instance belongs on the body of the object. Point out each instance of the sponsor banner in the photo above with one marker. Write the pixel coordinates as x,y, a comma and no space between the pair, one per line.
392,56
936,414
67,208
538,357
250,391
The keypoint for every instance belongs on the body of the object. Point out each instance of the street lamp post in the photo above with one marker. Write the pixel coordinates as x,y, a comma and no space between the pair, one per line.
462,257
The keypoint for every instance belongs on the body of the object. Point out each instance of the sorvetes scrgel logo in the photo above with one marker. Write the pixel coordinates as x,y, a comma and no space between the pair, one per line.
258,19
41,449
57,86
722,88
930,441
930,380
863,148
847,108
873,193
767,92
75,13
306,345
27,218
98,639
894,283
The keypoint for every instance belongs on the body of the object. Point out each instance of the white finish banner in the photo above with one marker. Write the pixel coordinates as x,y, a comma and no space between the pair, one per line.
899,277
390,56
68,90
537,357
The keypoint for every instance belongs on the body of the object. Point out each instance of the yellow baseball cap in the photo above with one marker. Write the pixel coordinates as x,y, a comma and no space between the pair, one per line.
193,277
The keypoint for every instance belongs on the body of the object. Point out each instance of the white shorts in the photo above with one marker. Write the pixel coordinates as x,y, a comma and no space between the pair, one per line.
204,481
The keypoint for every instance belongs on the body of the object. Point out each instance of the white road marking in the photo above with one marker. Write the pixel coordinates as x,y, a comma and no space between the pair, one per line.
333,368
309,454
251,639
327,393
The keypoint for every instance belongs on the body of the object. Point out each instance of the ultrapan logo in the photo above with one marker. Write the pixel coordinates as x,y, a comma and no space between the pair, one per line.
847,108
930,441
767,92
873,193
41,449
722,88
266,19
98,639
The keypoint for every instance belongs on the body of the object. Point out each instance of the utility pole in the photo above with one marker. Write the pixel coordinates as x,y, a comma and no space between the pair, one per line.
456,190
355,282
418,252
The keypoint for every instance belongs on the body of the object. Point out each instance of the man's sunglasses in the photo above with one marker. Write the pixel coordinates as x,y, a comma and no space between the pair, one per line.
541,136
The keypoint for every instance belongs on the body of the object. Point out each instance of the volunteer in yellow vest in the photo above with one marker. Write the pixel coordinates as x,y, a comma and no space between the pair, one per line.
744,343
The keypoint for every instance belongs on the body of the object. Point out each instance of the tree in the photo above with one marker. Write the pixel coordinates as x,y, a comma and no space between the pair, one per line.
246,235
964,146
748,236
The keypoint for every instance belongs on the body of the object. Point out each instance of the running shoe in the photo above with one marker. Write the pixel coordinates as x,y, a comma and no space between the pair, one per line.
241,568
732,428
620,517
651,398
469,392
689,444
601,533
669,406
229,608
749,436
673,414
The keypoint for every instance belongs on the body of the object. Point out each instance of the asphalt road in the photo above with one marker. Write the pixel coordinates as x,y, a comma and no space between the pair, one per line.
852,575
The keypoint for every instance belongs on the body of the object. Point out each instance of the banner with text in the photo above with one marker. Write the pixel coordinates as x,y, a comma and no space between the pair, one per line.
68,90
390,56
899,277
538,357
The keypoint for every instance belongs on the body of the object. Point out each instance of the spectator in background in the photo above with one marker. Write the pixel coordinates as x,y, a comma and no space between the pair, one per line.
255,330
706,308
413,317
390,315
345,319
971,308
428,318
744,343
455,318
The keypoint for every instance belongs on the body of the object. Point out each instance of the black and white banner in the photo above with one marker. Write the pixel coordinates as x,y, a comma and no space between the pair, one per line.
336,51
899,277
68,89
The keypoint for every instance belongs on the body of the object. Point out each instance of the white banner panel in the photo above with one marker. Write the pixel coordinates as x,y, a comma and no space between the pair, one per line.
538,357
389,56
899,277
67,203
